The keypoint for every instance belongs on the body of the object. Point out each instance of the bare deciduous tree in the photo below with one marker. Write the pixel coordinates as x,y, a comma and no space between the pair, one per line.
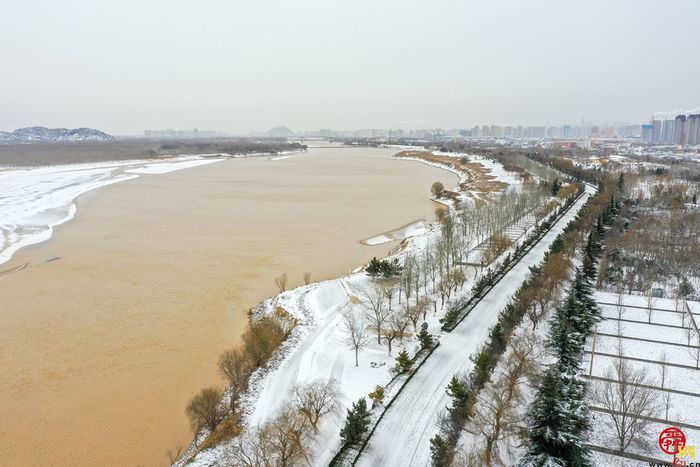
407,277
288,435
356,336
666,398
315,400
390,288
236,368
626,402
413,313
281,442
542,292
377,312
204,411
398,321
390,334
261,339
307,278
251,449
651,300
620,310
422,306
495,417
281,282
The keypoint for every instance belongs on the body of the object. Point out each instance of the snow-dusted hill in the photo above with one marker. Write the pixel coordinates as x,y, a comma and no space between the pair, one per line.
36,134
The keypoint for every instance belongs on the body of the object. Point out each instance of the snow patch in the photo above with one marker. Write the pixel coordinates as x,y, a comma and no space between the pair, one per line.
410,230
34,201
167,167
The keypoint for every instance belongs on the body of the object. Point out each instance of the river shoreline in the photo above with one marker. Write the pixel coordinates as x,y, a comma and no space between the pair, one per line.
118,309
285,368
106,173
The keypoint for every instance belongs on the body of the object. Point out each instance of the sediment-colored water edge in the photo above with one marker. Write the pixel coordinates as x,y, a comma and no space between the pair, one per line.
101,348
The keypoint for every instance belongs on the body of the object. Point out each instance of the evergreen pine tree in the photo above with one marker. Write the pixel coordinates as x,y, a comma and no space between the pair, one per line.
600,226
459,392
425,338
565,337
591,251
403,362
555,426
374,268
556,185
685,288
582,289
574,398
356,423
440,452
498,338
557,246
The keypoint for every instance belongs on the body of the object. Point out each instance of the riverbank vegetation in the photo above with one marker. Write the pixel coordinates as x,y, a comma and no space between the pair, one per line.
474,175
486,423
40,154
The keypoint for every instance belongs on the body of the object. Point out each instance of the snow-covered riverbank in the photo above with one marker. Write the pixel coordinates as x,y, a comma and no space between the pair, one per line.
33,201
317,351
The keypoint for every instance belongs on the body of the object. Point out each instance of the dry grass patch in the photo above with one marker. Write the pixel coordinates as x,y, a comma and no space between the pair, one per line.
476,176
227,429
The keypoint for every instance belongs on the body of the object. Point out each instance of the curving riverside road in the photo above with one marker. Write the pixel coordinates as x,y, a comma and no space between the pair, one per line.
402,438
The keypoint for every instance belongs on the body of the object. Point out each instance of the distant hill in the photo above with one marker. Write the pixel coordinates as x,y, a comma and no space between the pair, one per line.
281,132
38,134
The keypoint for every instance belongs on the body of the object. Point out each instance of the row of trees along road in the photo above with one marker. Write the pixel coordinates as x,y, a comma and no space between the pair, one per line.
401,294
532,300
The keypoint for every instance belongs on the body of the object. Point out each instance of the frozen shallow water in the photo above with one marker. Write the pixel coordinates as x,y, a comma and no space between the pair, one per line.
34,201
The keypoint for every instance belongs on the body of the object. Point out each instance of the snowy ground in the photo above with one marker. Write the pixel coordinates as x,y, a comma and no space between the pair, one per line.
411,230
667,336
511,178
33,201
402,437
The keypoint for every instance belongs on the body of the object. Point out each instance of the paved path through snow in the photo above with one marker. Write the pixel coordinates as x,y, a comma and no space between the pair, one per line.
402,438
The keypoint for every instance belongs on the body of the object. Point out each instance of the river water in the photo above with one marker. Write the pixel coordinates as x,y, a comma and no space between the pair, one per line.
120,317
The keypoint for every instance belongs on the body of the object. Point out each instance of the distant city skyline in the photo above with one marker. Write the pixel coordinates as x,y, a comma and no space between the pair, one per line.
580,130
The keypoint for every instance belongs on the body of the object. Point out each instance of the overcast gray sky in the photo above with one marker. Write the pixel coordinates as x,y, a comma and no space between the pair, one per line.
127,65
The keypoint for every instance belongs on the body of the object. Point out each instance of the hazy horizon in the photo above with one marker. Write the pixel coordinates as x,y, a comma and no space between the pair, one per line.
128,66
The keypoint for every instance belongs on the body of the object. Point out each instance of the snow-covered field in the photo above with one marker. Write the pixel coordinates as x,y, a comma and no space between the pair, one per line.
34,201
651,340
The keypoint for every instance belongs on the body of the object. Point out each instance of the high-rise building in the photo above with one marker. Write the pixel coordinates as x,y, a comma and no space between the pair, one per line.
668,131
656,131
693,124
647,132
679,130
